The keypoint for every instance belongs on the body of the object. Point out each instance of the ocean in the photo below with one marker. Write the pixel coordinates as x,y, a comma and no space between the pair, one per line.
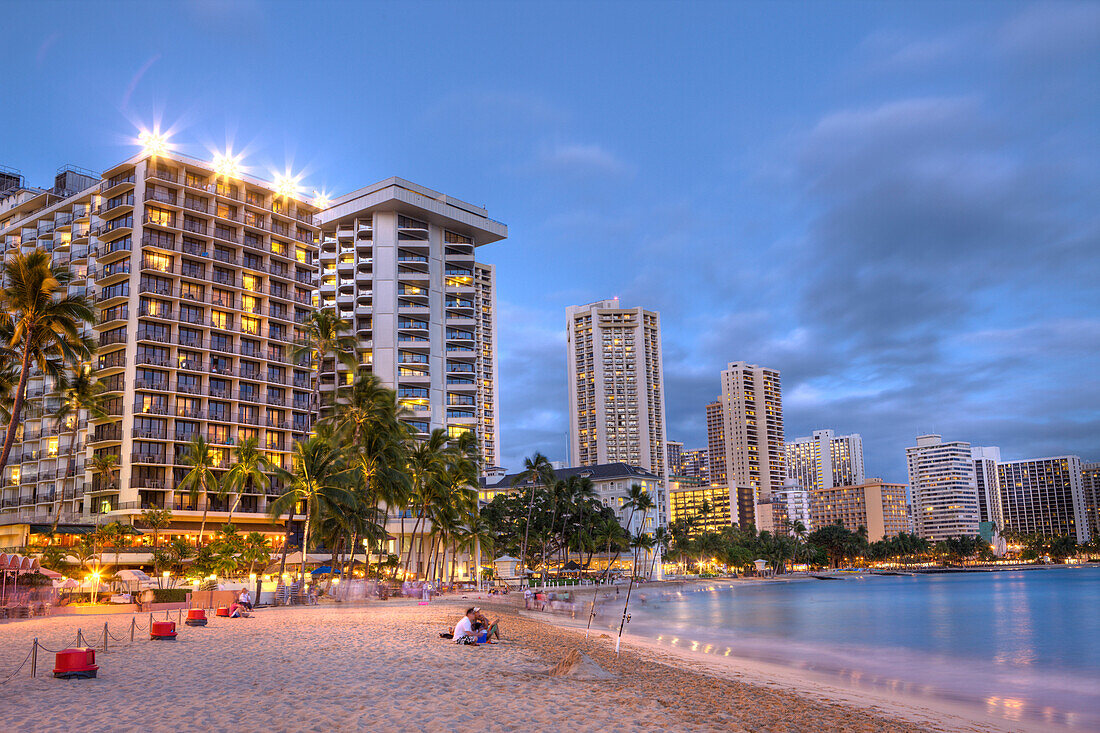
1021,645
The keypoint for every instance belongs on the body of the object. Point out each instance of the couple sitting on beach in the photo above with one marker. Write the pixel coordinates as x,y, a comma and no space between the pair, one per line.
474,628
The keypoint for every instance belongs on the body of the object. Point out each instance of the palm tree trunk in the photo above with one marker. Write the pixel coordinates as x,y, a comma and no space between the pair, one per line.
409,549
305,545
526,530
72,467
351,560
17,404
233,507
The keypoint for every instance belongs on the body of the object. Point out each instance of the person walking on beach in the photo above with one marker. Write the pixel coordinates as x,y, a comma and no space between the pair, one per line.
527,598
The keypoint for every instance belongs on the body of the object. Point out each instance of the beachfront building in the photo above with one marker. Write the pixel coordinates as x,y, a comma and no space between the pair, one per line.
745,440
943,487
703,507
876,505
200,275
674,459
398,262
988,484
617,390
694,463
1044,496
1090,485
796,505
824,460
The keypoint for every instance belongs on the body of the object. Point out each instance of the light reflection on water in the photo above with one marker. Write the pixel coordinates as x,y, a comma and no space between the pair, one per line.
1023,646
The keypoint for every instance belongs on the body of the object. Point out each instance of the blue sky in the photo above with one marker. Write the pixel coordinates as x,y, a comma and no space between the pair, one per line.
895,204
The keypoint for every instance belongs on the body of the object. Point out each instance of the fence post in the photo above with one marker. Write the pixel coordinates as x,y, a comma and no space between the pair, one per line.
34,658
105,632
133,623
150,622
79,638
179,617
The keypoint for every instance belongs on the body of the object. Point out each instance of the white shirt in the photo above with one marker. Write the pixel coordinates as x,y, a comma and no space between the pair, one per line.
463,628
245,597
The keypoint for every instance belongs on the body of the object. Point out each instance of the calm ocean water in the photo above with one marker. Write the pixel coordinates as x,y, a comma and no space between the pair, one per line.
1024,646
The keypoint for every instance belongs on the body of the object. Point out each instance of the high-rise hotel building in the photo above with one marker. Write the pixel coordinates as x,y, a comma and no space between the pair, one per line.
988,483
745,439
200,278
617,389
943,488
825,460
398,262
1045,496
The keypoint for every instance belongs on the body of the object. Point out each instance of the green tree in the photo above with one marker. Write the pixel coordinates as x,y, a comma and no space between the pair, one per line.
200,481
79,393
539,472
326,335
249,471
156,520
256,550
42,326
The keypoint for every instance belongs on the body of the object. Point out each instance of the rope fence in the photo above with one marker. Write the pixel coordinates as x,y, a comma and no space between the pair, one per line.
98,642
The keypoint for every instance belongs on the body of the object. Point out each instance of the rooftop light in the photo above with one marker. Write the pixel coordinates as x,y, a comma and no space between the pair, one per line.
227,165
286,185
154,143
320,200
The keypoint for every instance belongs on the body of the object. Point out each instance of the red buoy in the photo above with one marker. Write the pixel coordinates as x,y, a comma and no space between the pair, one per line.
196,617
162,630
223,611
79,663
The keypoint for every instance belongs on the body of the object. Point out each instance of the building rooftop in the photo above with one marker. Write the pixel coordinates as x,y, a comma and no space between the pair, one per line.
603,471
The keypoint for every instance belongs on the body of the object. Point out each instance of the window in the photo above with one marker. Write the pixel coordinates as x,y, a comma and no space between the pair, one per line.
250,304
196,180
192,291
189,359
224,298
189,268
218,433
220,364
250,325
220,319
155,215
115,313
252,283
189,383
191,314
157,238
226,211
157,261
188,407
218,410
151,404
191,336
219,387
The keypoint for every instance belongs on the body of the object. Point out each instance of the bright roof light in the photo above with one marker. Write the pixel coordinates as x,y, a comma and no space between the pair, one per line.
286,185
320,200
227,165
153,143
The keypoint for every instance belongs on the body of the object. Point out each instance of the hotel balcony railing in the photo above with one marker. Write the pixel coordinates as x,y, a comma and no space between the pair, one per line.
158,458
195,227
192,389
141,408
151,240
154,384
164,175
163,198
164,221
149,434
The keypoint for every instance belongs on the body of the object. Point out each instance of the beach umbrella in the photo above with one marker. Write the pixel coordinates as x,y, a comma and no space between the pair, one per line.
69,584
322,570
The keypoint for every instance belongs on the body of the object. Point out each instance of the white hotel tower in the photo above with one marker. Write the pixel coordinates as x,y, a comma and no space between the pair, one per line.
397,261
944,488
617,389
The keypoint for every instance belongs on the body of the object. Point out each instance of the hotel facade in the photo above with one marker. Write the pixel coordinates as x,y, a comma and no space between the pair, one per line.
617,390
874,504
943,487
824,460
1044,496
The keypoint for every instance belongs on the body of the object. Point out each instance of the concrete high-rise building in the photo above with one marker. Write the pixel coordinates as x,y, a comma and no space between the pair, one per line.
988,484
675,457
874,504
694,464
796,503
943,487
616,389
825,460
1090,484
1044,496
745,438
398,262
200,277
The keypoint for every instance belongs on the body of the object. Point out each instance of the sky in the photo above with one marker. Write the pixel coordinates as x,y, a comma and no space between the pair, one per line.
897,205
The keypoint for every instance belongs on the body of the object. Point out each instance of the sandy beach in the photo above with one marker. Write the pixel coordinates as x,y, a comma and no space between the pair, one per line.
384,665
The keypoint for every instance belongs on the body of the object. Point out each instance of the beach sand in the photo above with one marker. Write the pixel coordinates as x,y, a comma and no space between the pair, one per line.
383,665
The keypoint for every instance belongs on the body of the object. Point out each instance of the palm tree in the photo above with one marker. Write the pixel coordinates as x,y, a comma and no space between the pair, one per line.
105,465
426,466
317,481
201,479
110,535
326,334
249,471
84,550
79,393
156,520
661,540
256,549
538,471
43,325
610,532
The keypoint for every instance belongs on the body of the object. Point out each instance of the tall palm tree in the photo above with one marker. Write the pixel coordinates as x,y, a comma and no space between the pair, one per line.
426,466
80,393
661,540
250,470
256,549
317,480
201,479
105,464
538,471
156,520
43,325
611,533
326,334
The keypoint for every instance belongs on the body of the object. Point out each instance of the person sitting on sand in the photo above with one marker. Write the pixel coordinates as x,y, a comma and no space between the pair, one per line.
464,629
481,623
245,599
237,611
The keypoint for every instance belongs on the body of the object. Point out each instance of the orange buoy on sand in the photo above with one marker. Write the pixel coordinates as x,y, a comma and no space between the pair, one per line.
196,617
78,663
164,630
223,611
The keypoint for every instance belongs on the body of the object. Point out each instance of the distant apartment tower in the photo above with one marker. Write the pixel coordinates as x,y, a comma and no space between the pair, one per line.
796,504
745,437
616,389
988,484
201,279
943,487
825,460
1090,484
398,263
874,504
694,465
675,458
1044,496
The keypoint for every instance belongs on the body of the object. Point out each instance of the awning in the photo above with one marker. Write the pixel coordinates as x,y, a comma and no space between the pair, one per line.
63,528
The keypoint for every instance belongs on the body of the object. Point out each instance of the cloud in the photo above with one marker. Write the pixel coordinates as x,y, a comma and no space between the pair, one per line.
581,159
1053,29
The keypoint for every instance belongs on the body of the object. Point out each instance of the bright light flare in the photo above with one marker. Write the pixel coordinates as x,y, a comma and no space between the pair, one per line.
321,200
287,186
154,143
227,165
